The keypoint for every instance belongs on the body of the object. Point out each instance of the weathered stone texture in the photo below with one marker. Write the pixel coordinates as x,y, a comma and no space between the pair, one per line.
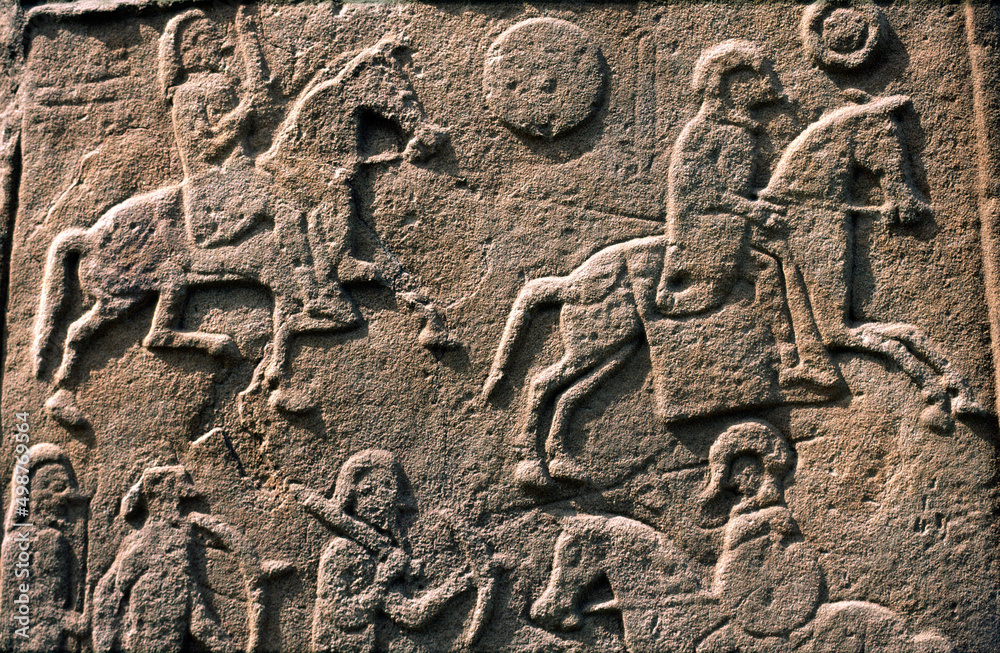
500,327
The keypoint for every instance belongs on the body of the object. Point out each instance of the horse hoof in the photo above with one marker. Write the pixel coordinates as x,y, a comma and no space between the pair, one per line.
287,401
332,313
225,347
434,336
62,407
963,404
936,419
547,616
531,475
564,469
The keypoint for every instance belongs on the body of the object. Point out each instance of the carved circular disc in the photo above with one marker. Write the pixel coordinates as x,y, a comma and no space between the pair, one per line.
841,38
543,77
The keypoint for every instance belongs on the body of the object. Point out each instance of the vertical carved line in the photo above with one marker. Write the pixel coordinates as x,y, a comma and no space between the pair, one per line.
14,42
984,55
10,185
645,102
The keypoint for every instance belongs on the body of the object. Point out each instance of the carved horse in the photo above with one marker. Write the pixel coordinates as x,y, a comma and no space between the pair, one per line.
654,585
666,608
142,249
608,302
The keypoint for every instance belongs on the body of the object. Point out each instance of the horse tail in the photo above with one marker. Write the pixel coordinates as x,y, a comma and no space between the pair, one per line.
54,291
546,290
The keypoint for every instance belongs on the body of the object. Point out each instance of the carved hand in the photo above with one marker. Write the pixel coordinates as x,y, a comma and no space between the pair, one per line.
392,567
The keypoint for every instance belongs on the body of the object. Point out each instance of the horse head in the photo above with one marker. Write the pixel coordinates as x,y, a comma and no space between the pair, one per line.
329,128
577,565
642,567
828,160
378,79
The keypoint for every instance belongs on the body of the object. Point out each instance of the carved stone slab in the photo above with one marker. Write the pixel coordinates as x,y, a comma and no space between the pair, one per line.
499,327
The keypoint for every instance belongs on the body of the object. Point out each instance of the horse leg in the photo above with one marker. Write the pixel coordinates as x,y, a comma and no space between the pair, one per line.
560,463
162,333
287,322
813,365
908,347
532,472
545,290
916,341
62,404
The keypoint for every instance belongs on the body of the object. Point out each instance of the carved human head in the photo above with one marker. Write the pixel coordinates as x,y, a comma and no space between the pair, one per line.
202,46
370,486
161,490
52,487
190,43
749,460
737,71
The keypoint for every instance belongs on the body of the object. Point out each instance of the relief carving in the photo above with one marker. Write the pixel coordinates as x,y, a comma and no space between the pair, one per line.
151,597
365,572
51,528
842,38
768,345
544,77
717,420
286,220
766,588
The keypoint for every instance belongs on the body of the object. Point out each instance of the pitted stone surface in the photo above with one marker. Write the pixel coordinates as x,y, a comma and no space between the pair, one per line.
544,77
500,327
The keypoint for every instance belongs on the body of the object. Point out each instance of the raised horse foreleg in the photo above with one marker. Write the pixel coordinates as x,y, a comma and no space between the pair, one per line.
535,293
163,332
560,463
922,361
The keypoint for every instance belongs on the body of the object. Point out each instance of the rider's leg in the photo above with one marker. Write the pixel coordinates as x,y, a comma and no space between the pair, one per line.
699,269
803,357
319,296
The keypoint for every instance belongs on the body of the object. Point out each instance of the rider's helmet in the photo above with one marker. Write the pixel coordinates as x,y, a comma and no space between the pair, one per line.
728,57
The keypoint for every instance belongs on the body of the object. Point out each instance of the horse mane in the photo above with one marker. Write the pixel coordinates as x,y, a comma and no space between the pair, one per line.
879,106
785,169
350,65
380,53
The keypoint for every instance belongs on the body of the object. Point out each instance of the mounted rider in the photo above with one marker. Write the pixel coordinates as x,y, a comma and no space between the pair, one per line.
711,199
228,200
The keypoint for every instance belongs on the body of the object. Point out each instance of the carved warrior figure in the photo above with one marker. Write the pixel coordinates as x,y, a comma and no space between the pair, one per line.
55,531
764,595
709,209
151,598
768,579
225,196
772,333
211,227
363,572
